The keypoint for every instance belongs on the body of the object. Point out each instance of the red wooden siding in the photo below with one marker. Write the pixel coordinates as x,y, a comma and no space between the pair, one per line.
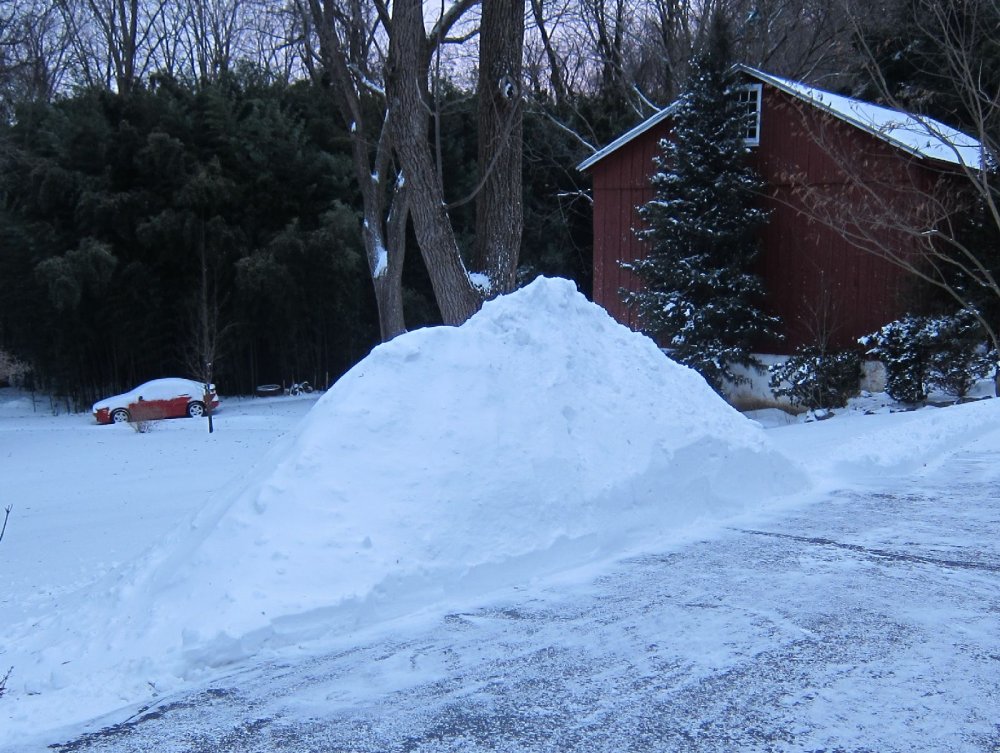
804,263
621,185
815,277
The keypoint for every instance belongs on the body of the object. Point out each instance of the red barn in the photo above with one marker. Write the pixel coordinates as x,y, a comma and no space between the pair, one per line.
807,145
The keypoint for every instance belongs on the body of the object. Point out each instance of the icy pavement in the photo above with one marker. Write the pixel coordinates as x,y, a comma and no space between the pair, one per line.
867,621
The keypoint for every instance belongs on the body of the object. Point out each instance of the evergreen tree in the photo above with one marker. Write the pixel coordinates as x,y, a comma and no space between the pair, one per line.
700,297
113,206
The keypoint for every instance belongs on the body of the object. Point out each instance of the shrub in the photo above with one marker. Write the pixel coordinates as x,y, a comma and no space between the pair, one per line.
903,348
921,352
144,415
958,358
815,378
12,370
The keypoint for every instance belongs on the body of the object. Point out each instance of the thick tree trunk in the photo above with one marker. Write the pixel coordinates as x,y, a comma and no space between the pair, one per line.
385,262
409,119
340,28
386,279
384,235
499,211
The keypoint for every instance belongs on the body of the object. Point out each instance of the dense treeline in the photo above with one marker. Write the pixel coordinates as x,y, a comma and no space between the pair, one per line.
114,204
222,181
192,181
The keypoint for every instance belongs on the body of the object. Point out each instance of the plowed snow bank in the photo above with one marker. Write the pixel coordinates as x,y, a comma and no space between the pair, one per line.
449,462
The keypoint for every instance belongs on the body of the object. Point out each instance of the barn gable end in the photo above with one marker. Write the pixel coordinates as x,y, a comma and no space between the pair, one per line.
814,278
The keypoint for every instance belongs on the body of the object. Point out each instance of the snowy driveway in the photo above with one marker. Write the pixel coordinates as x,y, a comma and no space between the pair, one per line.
533,532
868,621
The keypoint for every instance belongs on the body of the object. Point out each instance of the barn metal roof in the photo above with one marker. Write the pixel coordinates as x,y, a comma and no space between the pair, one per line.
627,137
920,136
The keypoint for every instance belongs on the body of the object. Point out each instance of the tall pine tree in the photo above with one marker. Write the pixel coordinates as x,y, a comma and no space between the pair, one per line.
700,296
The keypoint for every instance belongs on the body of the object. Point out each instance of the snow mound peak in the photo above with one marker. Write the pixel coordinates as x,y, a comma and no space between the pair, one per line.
541,427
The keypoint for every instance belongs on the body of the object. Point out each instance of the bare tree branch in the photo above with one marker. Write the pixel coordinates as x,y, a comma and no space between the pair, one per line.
3,530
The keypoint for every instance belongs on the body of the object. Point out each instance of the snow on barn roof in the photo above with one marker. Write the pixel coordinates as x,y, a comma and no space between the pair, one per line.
920,136
627,137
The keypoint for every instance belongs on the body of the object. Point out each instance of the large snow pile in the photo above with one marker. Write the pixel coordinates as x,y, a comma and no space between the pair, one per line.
449,462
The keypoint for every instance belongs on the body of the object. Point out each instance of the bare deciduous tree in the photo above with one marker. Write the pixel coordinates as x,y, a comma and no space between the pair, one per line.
916,222
376,60
634,53
798,38
115,42
47,46
409,100
33,53
344,53
203,39
547,55
499,213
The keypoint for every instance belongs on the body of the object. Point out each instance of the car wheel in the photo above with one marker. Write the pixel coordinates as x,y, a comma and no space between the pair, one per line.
120,416
196,409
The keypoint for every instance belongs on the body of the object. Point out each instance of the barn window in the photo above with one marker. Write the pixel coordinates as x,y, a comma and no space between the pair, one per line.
749,99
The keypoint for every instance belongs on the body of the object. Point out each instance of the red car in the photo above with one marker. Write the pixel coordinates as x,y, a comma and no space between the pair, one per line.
159,398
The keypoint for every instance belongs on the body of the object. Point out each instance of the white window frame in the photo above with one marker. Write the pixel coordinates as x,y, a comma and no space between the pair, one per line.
752,129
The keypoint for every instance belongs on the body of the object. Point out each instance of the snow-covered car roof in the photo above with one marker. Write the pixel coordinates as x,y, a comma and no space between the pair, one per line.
177,385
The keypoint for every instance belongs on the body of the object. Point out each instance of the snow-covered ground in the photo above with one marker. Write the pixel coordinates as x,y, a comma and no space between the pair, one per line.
540,442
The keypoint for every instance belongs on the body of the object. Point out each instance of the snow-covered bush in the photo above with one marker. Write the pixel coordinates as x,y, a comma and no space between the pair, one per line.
903,349
816,378
921,353
959,357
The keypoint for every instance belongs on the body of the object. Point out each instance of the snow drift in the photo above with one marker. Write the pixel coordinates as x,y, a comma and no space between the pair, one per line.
453,451
451,461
